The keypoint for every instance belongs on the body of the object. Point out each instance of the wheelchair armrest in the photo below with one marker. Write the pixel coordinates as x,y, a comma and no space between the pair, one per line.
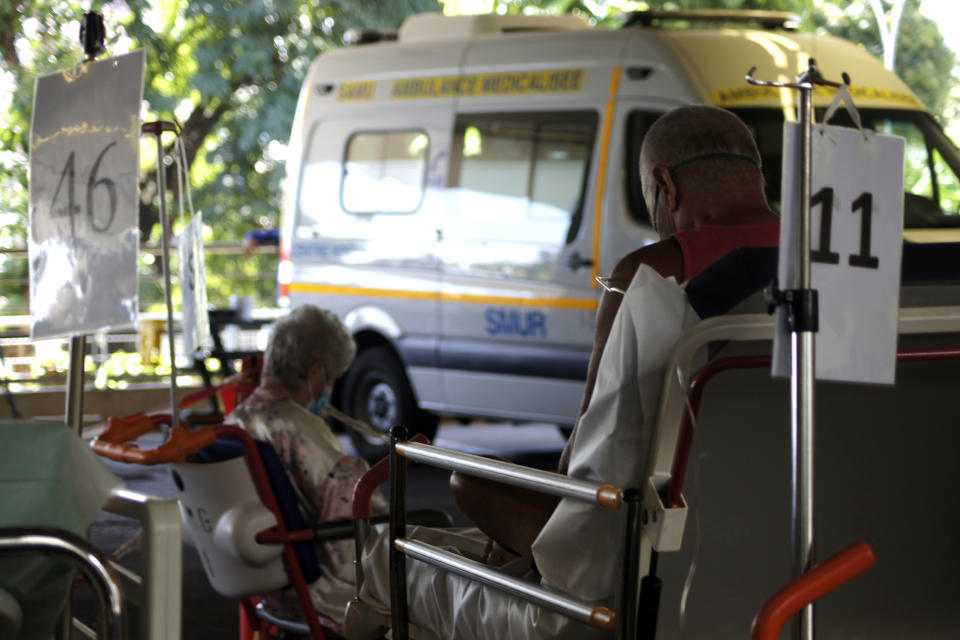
373,478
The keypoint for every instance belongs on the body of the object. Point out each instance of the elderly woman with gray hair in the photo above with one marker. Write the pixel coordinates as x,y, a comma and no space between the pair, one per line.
308,350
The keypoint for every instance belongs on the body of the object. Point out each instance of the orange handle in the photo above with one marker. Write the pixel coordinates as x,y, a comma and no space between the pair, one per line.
812,585
178,446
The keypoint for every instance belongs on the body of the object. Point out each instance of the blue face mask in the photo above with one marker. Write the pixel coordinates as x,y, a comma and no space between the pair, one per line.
318,404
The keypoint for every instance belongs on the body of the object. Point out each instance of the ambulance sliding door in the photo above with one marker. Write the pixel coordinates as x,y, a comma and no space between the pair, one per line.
366,233
517,303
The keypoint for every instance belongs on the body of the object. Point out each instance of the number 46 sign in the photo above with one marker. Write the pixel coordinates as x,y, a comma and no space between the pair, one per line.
84,171
856,209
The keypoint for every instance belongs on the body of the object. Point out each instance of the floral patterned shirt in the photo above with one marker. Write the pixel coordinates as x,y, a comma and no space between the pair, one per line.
323,477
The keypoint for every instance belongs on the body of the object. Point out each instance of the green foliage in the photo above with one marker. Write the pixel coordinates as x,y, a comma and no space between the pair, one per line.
230,72
922,60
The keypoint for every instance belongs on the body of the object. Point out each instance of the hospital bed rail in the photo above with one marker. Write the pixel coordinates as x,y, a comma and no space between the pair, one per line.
622,621
81,554
678,414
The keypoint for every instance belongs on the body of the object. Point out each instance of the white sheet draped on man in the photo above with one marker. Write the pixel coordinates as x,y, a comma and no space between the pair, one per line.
572,552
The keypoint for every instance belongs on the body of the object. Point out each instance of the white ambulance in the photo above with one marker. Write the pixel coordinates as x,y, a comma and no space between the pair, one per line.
455,189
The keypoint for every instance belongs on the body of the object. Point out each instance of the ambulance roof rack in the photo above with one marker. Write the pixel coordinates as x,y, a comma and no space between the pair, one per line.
765,19
424,27
354,37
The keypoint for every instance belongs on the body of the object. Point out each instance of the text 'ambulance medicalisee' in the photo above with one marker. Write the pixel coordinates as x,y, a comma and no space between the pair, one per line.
454,193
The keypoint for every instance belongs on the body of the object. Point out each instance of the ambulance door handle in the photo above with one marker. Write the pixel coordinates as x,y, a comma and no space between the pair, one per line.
576,261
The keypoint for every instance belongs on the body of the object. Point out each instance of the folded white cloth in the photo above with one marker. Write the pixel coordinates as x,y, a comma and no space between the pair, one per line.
614,435
573,552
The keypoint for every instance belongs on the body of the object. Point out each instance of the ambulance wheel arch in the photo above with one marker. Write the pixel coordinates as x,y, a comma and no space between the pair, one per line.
376,389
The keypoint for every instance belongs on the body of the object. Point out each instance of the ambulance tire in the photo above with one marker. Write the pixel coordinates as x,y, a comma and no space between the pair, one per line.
376,390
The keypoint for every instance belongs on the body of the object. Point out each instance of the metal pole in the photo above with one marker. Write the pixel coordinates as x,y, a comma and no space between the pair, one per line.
596,616
802,377
507,472
75,374
167,290
398,529
628,607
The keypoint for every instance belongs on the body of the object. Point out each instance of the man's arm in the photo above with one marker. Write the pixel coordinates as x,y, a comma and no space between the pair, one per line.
667,259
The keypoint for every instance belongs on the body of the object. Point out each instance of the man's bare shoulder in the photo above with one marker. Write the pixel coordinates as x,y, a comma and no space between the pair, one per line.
664,256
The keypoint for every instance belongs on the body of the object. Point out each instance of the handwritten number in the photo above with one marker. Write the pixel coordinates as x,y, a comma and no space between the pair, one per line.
108,184
68,175
863,259
823,254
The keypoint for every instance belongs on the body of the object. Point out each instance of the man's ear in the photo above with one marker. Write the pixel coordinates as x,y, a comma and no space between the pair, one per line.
668,188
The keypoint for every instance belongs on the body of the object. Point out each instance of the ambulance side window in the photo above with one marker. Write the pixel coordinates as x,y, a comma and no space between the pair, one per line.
521,176
384,172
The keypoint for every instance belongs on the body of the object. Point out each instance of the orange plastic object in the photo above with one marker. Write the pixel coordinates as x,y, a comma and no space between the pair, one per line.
126,429
197,396
604,619
609,496
178,446
234,389
373,478
811,586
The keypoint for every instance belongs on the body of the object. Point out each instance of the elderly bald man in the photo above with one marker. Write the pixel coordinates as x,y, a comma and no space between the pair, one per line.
702,184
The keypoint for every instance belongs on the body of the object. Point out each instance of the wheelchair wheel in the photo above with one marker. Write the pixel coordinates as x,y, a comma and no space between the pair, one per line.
376,390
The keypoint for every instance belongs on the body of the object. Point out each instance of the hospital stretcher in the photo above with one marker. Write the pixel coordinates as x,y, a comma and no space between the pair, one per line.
44,523
670,459
663,518
80,554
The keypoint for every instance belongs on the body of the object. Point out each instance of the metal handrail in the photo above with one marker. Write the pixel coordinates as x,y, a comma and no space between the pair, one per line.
598,617
624,625
606,495
741,328
84,556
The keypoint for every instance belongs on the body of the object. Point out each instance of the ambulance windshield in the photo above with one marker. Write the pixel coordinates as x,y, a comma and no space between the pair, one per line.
931,161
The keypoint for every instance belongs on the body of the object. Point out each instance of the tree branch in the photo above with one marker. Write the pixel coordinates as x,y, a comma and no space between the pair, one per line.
199,125
9,28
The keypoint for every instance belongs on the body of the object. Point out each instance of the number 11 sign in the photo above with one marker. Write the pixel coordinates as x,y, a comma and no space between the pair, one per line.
84,173
856,236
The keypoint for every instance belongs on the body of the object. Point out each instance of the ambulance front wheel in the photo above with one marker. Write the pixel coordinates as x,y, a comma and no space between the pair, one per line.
376,390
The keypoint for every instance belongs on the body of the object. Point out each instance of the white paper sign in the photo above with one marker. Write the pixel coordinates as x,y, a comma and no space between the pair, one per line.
193,287
84,172
856,241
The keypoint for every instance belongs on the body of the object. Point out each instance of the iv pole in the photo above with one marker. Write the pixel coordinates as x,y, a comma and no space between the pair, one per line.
92,35
803,313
